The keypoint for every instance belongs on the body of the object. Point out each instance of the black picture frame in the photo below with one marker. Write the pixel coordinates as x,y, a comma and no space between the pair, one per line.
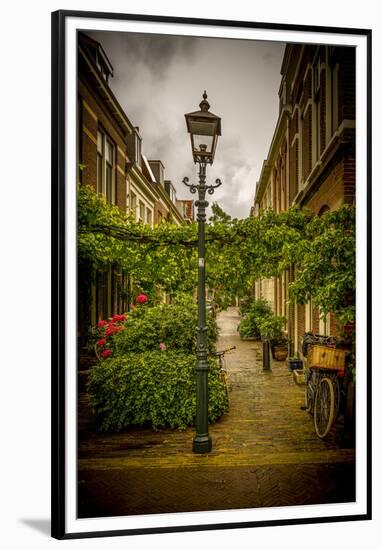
59,220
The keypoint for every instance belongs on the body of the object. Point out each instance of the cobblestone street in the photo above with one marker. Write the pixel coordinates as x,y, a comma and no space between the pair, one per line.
265,451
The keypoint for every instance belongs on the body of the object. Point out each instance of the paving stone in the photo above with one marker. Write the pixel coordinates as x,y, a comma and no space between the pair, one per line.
265,451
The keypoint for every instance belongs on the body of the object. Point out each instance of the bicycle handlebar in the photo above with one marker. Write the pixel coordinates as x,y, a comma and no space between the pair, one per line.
222,352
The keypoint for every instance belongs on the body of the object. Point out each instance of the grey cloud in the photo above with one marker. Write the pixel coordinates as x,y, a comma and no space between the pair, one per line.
153,51
159,78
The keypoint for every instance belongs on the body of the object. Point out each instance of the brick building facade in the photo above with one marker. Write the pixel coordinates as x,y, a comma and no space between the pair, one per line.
110,159
311,161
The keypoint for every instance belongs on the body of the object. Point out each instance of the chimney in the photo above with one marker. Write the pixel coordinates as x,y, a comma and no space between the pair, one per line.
157,168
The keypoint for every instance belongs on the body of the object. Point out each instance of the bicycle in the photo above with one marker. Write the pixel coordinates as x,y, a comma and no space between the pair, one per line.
323,397
312,339
324,374
222,372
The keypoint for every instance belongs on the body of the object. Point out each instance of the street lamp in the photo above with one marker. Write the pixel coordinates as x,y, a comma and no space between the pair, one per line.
204,128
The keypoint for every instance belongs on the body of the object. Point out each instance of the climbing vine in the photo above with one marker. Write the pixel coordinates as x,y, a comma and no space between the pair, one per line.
239,251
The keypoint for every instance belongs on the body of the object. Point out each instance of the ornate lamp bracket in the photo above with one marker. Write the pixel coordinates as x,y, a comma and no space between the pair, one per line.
192,187
211,188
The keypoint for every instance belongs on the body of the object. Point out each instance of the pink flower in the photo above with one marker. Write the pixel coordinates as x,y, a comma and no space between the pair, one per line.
106,353
142,299
102,324
101,342
162,346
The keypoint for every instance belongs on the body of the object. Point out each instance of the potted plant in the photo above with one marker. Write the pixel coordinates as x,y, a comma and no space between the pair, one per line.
295,363
271,329
279,348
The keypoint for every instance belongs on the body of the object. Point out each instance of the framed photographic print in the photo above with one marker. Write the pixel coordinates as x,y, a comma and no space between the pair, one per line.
211,187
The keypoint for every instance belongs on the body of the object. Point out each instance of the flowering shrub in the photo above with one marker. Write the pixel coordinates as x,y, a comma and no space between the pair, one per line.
141,299
152,388
175,326
107,329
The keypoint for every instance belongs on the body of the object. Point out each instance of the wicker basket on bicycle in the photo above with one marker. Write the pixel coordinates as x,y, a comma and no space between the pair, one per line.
324,357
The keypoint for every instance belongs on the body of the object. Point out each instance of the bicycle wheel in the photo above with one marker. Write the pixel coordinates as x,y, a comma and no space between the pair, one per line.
324,407
310,397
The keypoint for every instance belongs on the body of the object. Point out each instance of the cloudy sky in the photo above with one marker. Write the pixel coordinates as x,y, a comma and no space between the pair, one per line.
159,78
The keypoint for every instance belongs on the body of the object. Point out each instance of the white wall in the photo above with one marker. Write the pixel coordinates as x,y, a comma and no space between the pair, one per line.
140,197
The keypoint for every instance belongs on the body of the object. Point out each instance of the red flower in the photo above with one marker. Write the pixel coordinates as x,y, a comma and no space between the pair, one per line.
142,299
117,317
101,342
102,324
113,329
106,353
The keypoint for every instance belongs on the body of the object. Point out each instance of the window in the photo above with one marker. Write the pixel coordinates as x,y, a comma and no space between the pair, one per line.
317,111
149,217
324,324
138,150
133,204
332,91
105,167
109,170
334,98
300,151
99,162
308,316
142,209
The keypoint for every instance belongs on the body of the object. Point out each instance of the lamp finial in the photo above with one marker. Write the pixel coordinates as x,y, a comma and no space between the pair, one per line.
204,105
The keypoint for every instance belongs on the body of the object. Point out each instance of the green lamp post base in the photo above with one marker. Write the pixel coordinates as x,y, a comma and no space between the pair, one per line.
202,444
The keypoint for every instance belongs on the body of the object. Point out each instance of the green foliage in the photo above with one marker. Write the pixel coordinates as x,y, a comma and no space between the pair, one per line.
255,311
239,251
108,237
174,325
153,388
271,327
326,260
245,303
219,215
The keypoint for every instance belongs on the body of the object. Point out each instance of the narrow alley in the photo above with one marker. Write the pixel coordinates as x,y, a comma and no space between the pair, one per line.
265,451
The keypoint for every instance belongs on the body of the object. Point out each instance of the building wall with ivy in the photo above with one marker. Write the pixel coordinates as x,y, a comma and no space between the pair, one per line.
311,161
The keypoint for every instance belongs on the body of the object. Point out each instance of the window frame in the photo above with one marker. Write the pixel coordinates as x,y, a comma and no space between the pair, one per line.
103,164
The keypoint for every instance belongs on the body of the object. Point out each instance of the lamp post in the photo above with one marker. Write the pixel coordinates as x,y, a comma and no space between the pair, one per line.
204,128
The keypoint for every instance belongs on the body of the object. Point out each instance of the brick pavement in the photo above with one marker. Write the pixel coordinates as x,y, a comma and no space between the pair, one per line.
265,451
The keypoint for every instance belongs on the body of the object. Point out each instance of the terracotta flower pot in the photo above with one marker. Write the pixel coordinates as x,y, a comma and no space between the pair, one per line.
280,352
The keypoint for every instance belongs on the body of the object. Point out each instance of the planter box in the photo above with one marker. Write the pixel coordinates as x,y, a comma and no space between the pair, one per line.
299,376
